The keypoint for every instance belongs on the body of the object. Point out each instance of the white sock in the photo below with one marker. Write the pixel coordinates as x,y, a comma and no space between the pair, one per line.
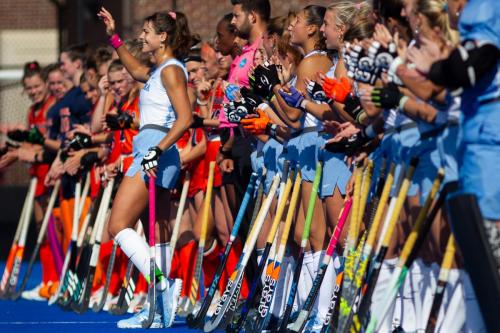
283,286
163,260
305,280
136,248
326,289
380,291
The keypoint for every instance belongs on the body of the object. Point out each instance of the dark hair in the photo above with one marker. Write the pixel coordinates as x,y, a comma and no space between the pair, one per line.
115,65
178,35
77,52
54,67
392,9
229,26
193,55
277,25
261,7
31,69
315,16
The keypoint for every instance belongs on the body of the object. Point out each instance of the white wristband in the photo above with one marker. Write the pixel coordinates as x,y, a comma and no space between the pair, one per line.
303,104
200,103
402,103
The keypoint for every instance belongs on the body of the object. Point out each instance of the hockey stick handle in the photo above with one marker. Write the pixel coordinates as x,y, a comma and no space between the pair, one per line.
180,211
339,227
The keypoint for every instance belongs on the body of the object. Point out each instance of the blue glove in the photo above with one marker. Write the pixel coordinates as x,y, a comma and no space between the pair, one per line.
294,98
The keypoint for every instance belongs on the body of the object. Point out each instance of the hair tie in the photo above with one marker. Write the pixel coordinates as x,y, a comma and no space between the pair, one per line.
32,66
358,5
173,15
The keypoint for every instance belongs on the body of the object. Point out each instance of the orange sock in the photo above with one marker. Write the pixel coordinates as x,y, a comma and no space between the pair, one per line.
141,285
118,274
104,257
183,266
49,272
210,264
232,261
67,221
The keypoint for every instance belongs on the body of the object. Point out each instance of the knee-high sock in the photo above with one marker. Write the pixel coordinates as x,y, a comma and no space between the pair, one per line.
183,265
380,292
306,279
283,286
119,272
49,272
232,260
326,288
210,264
135,247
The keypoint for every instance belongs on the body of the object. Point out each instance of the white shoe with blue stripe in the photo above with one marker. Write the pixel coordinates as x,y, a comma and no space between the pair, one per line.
168,301
137,319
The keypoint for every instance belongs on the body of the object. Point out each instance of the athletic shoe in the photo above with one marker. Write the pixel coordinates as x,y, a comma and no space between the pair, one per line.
45,290
183,306
33,294
96,296
168,300
137,319
110,301
137,303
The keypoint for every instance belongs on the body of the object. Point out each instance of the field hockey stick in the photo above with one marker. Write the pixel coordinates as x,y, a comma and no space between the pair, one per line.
13,249
377,254
398,276
97,307
299,324
229,312
305,239
196,281
349,289
378,206
128,286
13,277
285,189
88,271
410,250
274,266
230,295
41,236
74,284
152,254
444,272
180,211
196,321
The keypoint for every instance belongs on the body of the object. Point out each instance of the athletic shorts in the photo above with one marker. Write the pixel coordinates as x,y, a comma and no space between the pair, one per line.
433,153
302,150
336,173
168,169
273,161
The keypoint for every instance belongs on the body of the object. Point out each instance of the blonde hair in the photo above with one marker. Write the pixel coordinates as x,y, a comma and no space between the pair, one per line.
435,12
346,11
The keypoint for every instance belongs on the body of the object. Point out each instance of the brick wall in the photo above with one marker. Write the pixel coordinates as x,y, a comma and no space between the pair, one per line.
27,14
203,15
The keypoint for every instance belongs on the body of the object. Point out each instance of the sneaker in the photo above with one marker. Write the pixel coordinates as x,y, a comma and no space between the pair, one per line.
168,300
33,294
96,296
137,303
137,319
45,290
110,301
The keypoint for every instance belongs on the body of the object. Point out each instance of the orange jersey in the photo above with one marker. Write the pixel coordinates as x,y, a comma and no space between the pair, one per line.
37,116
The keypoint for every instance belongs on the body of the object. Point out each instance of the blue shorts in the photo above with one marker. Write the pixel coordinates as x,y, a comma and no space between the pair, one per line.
302,150
273,161
479,166
400,146
434,153
336,173
169,166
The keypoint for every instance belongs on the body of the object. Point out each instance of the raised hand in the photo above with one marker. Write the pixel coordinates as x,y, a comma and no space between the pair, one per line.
108,20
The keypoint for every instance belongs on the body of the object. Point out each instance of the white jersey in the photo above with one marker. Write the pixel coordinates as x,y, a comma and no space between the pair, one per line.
154,103
308,119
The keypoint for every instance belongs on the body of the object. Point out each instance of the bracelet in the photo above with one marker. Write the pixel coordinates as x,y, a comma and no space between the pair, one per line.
303,104
402,103
200,103
115,41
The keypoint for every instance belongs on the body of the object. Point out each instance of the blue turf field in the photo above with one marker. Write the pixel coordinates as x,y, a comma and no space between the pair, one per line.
30,316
